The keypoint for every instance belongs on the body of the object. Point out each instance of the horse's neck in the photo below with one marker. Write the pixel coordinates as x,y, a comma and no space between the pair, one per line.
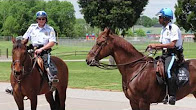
125,53
28,62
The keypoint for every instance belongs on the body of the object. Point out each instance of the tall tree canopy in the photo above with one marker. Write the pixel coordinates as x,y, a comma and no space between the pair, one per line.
186,14
116,14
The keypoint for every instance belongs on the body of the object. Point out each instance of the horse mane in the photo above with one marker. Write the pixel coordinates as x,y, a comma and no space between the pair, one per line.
18,44
127,46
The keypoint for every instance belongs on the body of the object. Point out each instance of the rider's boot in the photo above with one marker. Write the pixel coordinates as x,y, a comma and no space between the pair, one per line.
172,90
9,91
52,79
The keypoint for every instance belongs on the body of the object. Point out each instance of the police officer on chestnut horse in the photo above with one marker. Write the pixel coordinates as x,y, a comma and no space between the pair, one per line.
172,49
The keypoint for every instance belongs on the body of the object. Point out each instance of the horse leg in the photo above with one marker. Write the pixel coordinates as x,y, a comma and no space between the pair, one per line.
33,102
134,105
57,100
194,93
19,100
144,105
60,97
50,99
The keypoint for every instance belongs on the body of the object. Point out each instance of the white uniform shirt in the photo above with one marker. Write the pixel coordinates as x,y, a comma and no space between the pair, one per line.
169,35
40,36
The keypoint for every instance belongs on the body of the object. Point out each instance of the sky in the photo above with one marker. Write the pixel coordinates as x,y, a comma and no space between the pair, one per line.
151,8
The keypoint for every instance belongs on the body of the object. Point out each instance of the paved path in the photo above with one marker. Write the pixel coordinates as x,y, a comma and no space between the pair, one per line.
78,99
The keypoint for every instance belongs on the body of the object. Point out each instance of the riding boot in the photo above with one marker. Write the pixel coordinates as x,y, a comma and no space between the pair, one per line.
9,91
172,90
53,80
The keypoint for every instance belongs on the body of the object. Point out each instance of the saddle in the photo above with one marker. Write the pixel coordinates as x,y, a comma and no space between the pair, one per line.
52,66
40,63
160,74
52,69
181,71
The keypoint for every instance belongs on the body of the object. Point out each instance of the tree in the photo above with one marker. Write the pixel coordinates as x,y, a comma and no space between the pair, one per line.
10,26
145,21
140,33
155,21
116,14
62,13
186,14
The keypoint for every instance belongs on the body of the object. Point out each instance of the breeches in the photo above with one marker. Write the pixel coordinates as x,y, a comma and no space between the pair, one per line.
46,60
169,64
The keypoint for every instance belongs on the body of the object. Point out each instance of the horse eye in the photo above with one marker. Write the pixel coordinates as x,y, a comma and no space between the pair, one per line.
99,43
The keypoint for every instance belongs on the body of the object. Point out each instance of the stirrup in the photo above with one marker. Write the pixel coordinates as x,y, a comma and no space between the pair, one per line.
9,91
54,79
53,83
165,100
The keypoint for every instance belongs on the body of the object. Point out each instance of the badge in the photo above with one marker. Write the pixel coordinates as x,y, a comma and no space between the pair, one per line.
46,33
52,33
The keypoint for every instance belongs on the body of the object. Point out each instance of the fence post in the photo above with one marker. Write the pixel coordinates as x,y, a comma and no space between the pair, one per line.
7,52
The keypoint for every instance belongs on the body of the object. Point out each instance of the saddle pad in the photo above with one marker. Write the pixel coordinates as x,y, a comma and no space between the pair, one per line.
53,68
182,76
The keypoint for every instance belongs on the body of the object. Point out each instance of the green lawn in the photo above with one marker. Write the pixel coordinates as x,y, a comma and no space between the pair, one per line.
5,71
81,76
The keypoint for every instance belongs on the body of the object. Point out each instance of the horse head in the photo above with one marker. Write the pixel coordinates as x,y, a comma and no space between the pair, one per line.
19,53
101,49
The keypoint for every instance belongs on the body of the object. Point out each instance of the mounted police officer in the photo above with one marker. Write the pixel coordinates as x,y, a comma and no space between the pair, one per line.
172,50
42,37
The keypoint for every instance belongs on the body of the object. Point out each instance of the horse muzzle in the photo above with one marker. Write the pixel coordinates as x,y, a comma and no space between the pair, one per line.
92,62
18,71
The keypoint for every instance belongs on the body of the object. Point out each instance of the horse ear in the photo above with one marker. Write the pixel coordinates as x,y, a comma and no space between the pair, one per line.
13,40
107,30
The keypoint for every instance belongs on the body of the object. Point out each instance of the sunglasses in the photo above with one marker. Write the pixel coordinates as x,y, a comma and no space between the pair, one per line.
41,19
160,17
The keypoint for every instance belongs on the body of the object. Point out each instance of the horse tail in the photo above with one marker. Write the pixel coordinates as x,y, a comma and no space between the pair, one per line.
57,99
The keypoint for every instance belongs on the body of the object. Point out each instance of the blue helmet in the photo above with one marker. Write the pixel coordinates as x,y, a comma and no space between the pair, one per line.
40,14
165,12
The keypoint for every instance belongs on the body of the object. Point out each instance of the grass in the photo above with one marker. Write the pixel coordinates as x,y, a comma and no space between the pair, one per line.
81,76
86,77
5,71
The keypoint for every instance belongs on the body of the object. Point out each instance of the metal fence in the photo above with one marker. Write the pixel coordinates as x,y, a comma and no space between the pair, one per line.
83,42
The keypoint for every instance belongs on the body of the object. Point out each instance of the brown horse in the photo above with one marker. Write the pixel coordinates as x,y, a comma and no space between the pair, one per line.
26,79
138,73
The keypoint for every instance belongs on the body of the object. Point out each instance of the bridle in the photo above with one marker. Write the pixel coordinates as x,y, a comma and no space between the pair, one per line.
107,66
19,77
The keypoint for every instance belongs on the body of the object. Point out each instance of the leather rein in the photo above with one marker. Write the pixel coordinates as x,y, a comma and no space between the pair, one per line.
24,73
112,67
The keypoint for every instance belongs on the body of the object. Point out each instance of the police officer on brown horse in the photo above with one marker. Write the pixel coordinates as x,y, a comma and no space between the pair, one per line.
172,50
42,37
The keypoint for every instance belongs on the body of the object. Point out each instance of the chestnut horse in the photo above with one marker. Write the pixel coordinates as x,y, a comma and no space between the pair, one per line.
26,79
139,81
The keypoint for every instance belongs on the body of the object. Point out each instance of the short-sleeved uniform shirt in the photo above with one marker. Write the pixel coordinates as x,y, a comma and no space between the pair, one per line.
40,36
170,33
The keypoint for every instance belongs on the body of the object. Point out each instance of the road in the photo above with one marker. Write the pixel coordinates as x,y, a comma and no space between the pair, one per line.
79,99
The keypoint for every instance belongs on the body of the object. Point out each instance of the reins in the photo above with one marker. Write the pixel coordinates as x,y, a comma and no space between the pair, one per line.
23,70
112,67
